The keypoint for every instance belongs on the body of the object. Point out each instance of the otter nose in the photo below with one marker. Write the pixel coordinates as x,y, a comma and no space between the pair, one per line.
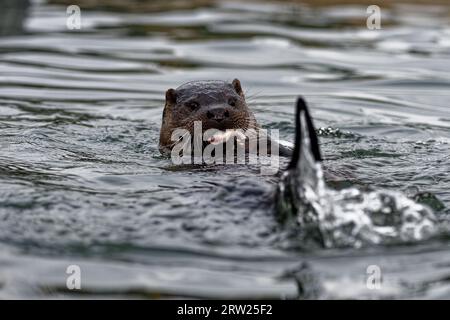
218,114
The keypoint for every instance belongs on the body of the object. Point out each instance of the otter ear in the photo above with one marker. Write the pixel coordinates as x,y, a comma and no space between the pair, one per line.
237,86
171,96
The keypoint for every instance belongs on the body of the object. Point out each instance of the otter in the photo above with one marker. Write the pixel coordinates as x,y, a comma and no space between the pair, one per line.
217,104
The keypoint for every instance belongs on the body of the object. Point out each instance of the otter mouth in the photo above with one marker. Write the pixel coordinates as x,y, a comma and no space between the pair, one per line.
226,132
224,136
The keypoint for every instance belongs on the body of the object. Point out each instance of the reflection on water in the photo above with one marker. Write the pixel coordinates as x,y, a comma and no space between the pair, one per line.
12,16
82,181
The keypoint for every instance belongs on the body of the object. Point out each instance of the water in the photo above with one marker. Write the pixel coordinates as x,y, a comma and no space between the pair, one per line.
82,181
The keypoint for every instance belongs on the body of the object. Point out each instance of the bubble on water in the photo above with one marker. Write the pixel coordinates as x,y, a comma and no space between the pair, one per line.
335,133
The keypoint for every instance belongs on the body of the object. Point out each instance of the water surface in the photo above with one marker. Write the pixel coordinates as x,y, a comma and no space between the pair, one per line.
82,181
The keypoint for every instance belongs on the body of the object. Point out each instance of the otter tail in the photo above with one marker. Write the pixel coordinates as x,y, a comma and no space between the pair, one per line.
305,133
304,171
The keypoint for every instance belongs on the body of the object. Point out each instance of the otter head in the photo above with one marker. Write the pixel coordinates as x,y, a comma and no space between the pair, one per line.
217,104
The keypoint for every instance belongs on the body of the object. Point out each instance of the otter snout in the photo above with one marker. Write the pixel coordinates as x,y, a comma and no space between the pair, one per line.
218,114
218,118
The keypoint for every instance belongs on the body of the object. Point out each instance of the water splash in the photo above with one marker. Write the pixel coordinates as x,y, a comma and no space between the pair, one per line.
350,217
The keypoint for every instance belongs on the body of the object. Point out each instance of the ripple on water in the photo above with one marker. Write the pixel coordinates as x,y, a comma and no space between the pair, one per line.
82,182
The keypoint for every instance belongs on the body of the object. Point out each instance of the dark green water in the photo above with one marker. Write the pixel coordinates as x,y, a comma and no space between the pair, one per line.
82,181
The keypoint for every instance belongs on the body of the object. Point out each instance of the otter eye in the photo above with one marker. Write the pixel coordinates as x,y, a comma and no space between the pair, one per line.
192,105
232,102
